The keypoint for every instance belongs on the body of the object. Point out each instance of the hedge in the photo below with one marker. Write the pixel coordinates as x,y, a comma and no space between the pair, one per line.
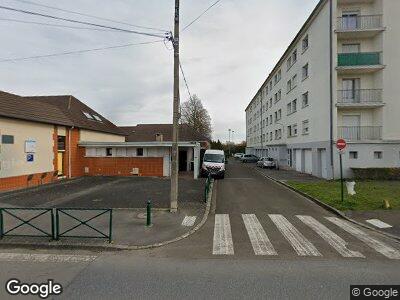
376,173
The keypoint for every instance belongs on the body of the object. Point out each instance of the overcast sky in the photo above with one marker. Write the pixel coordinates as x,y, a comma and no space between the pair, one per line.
226,55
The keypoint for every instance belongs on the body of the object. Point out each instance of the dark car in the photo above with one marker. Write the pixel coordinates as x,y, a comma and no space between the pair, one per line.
247,158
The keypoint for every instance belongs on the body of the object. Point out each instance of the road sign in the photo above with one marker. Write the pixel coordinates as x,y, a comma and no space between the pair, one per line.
341,144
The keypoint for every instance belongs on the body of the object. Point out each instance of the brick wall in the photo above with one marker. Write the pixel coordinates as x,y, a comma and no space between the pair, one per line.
20,182
122,166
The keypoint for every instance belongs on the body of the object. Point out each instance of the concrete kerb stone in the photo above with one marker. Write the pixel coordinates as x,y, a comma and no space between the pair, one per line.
329,208
116,247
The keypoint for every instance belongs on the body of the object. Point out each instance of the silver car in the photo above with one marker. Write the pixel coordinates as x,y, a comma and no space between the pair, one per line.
266,162
249,158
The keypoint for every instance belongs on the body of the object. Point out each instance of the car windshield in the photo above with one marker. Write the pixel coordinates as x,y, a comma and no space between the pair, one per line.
215,158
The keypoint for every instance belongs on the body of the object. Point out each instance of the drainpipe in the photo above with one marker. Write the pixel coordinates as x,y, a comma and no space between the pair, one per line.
331,82
69,152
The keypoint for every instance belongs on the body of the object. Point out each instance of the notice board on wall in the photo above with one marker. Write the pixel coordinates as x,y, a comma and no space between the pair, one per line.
30,146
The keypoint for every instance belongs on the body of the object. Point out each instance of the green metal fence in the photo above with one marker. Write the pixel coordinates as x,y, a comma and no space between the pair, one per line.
70,213
207,188
19,214
359,59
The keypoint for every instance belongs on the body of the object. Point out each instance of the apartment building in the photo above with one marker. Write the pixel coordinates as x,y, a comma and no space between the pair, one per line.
337,79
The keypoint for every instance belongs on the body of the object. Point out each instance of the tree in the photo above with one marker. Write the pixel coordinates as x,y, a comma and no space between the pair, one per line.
196,116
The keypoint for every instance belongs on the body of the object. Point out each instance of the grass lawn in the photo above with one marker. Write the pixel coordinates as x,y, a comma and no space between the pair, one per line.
370,194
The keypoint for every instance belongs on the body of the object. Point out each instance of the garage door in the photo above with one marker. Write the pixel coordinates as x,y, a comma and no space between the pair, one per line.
324,168
298,160
308,161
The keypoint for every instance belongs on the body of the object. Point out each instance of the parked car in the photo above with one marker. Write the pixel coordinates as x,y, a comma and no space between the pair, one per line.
238,155
267,162
213,164
247,158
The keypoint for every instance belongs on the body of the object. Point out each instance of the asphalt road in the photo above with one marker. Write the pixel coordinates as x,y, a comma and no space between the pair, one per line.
195,268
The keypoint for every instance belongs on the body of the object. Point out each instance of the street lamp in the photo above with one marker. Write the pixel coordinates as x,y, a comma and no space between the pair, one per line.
229,142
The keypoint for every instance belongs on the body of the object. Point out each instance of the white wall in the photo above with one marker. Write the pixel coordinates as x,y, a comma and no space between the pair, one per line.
13,156
95,136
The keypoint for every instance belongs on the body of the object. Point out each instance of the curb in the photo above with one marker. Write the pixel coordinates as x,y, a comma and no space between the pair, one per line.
118,247
330,208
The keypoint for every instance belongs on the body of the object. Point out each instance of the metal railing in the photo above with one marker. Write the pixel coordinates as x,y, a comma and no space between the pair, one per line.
360,96
207,187
51,226
352,23
356,133
359,59
21,215
69,213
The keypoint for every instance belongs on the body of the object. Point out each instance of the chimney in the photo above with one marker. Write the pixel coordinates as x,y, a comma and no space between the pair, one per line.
159,137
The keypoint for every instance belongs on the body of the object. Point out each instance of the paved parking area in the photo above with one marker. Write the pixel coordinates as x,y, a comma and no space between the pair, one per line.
106,192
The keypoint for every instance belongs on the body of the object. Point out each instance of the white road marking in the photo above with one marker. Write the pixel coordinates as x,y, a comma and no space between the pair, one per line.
222,244
378,223
42,258
300,244
375,244
329,236
189,221
258,238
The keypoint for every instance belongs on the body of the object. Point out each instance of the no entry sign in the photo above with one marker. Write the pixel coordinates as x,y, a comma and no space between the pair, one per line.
341,144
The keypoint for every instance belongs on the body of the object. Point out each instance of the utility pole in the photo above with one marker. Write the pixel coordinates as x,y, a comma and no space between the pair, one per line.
175,122
229,142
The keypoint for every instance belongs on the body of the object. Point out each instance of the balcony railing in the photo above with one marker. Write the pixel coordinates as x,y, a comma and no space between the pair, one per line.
352,23
359,59
356,133
360,96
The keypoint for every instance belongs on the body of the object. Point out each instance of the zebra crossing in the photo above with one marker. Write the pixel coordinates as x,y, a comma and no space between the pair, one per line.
223,243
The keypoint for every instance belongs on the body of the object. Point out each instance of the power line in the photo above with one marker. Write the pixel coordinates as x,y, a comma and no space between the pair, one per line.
81,22
55,25
184,78
88,15
204,12
77,51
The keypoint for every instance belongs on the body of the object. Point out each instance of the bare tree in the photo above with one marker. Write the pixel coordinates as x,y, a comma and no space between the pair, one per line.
196,116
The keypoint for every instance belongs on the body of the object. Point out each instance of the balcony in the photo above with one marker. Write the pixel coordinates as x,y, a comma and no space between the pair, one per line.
359,62
358,133
365,98
359,26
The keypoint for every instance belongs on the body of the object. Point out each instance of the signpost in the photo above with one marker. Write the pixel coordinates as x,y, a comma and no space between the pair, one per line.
341,145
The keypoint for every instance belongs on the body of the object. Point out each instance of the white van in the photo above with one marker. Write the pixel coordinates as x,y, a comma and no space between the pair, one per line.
213,163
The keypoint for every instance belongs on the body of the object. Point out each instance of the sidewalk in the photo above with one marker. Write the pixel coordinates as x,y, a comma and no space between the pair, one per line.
390,217
129,230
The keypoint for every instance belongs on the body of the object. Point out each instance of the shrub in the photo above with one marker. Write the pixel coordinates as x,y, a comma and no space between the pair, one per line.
376,173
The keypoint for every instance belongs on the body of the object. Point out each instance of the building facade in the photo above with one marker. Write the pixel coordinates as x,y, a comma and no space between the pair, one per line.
337,79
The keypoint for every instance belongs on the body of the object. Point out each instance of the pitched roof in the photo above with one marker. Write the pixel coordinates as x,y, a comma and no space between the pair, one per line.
14,106
74,110
147,133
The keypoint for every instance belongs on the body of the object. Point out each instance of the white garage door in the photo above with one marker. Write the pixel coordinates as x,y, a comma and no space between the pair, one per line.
324,168
308,161
298,160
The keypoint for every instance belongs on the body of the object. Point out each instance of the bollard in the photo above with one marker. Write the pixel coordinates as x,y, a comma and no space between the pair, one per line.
148,216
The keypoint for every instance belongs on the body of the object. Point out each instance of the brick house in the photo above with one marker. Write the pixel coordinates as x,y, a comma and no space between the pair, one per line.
40,137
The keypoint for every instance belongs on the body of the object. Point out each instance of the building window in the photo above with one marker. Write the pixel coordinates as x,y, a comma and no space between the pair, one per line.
294,130
294,81
108,151
353,155
306,129
378,154
294,56
305,72
294,105
279,114
289,62
305,43
289,86
60,143
289,108
97,118
88,116
139,152
304,101
7,139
